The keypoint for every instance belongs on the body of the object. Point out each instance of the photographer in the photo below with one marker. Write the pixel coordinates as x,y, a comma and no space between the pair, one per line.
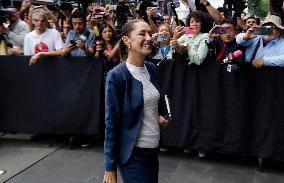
194,42
95,20
223,40
105,44
81,40
162,41
266,49
42,41
16,32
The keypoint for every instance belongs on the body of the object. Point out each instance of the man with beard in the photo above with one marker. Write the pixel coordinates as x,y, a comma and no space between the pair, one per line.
265,50
81,40
16,32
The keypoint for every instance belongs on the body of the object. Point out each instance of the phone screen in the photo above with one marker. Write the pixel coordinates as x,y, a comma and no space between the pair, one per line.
155,9
221,30
263,30
98,15
188,30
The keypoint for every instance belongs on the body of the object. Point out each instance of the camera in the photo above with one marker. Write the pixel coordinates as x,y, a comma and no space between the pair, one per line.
99,15
263,30
162,37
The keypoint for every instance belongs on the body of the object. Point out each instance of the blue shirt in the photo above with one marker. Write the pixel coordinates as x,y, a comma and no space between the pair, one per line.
90,42
272,53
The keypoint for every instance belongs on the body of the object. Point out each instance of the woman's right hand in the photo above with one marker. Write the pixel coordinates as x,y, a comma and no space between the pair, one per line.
110,177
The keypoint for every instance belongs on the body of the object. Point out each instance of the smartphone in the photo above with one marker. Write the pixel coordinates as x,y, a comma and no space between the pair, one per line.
263,30
38,7
163,37
155,9
188,30
222,30
99,15
73,42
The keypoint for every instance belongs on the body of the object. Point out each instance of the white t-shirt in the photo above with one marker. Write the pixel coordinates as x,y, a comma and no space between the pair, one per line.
149,135
50,40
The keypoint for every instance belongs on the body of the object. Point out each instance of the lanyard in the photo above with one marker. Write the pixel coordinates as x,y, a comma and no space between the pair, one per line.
165,52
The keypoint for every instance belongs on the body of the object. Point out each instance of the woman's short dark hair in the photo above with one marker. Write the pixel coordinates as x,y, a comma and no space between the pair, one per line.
204,18
126,31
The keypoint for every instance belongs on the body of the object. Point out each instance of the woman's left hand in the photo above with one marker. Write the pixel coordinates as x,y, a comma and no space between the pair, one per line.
163,121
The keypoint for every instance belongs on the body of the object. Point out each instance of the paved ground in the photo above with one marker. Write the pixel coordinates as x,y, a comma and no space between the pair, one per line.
51,161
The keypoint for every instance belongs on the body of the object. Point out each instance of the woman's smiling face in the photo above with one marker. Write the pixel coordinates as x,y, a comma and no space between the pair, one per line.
140,40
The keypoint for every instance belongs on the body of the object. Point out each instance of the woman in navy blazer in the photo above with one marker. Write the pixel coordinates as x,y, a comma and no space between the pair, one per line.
132,111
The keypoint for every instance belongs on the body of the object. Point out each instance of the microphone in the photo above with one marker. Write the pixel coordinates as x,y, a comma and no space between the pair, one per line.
235,55
84,36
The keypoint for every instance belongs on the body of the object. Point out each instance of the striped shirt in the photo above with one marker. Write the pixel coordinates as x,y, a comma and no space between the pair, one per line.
272,53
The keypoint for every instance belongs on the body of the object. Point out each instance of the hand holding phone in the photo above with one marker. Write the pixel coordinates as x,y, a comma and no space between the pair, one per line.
188,30
153,10
221,30
263,30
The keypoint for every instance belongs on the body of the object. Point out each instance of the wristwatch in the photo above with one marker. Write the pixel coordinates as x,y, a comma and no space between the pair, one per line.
207,4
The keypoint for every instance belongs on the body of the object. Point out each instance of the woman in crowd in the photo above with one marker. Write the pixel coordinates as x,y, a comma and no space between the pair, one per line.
193,42
108,39
162,41
131,141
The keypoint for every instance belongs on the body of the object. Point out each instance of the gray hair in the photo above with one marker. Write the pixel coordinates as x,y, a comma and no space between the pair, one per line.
40,12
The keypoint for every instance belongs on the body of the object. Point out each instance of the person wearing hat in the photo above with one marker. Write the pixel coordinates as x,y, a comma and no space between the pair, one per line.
264,50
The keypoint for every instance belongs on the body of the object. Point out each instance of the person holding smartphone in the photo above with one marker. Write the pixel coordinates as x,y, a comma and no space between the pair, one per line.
162,41
80,41
264,50
132,107
193,43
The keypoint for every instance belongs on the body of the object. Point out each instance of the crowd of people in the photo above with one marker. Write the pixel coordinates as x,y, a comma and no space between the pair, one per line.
183,33
104,32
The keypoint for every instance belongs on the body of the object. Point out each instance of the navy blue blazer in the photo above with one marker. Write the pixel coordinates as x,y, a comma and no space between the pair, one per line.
124,112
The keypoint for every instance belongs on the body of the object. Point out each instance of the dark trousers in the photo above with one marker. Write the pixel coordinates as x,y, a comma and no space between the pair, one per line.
142,167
